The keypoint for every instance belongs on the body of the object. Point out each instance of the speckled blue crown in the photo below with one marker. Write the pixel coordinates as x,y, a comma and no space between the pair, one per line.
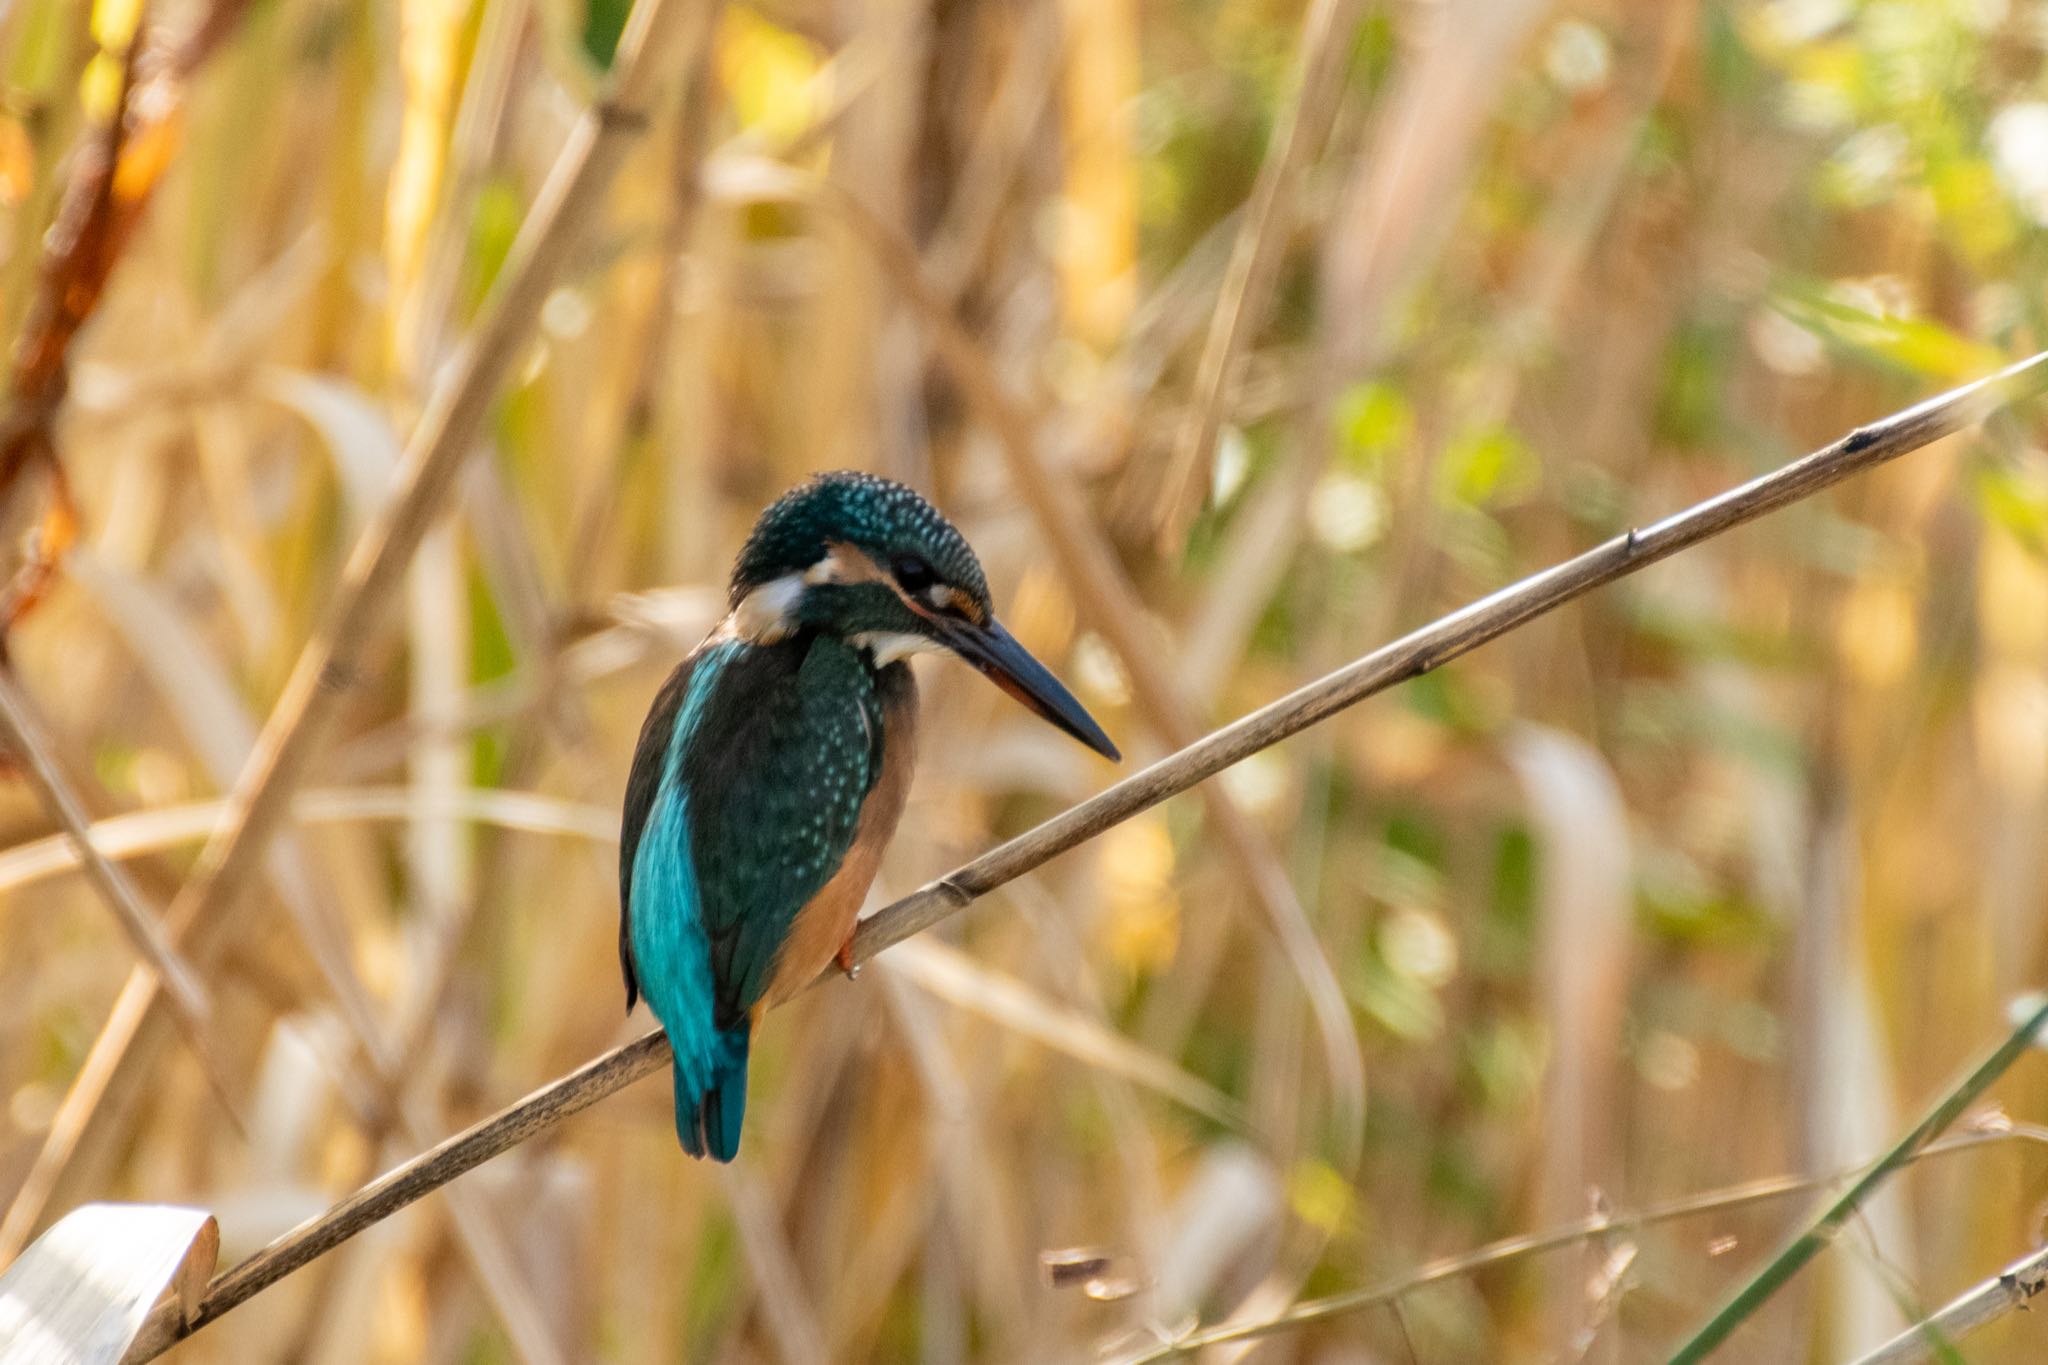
881,516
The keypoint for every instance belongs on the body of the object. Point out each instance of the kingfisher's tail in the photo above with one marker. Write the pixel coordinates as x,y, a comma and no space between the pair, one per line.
709,1107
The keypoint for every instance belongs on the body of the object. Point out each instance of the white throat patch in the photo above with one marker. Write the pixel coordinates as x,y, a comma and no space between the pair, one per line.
888,646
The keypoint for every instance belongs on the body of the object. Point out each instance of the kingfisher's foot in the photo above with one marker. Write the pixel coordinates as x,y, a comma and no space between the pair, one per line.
844,957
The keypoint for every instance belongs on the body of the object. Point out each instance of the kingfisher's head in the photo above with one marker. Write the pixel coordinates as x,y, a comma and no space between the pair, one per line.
871,561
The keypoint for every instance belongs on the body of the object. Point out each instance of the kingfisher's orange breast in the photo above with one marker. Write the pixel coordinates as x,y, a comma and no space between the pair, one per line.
827,920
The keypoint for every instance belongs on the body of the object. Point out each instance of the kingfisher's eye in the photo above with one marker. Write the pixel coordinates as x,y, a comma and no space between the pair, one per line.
913,575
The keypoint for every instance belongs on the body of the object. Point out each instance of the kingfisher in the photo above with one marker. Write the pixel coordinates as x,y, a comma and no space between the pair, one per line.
774,762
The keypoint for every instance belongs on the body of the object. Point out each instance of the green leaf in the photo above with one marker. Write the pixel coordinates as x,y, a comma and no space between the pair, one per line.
1918,346
1372,420
603,22
492,226
1399,1004
2010,498
1487,466
1695,373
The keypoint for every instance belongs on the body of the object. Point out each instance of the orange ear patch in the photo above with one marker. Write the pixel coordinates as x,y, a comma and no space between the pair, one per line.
847,563
956,600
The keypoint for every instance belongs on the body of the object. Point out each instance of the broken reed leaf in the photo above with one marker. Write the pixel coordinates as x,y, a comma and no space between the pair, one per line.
82,1291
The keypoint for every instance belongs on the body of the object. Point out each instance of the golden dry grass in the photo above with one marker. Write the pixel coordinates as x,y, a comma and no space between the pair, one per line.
1239,338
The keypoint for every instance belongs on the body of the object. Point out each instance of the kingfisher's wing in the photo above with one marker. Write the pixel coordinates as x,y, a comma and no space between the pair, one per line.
778,765
650,758
771,750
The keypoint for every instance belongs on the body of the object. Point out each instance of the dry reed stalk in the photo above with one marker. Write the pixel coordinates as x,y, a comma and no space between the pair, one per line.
1255,257
38,764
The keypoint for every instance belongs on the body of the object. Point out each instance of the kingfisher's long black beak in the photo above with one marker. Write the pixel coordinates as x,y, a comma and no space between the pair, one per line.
1010,666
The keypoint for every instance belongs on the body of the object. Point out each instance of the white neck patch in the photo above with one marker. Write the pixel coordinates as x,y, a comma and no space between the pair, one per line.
768,613
839,566
764,615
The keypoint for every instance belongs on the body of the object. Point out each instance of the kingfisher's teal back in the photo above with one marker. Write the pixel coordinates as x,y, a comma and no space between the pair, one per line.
773,766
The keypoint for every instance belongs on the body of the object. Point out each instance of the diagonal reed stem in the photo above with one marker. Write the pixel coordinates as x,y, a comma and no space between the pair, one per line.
1416,653
22,731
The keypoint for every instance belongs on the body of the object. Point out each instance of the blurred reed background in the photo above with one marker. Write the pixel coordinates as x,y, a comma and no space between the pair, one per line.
1317,321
